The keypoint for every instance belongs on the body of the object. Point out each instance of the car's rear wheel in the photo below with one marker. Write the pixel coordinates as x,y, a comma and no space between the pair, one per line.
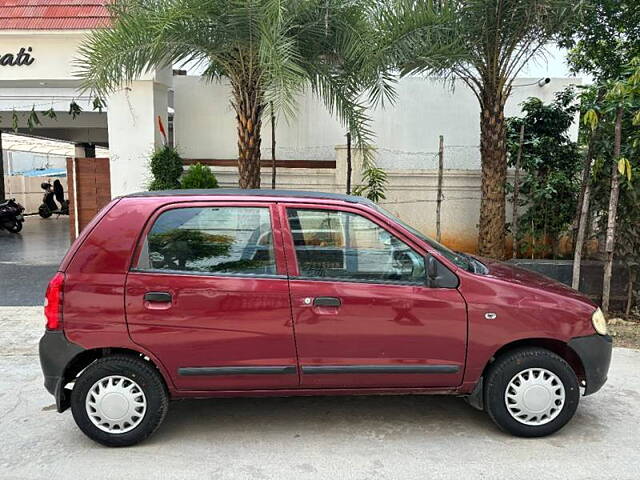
119,401
531,392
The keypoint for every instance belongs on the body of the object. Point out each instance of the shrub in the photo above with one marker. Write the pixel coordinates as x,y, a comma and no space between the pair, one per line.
166,168
549,171
199,176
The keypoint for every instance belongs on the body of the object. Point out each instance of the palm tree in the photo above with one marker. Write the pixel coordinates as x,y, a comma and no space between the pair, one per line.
496,40
269,51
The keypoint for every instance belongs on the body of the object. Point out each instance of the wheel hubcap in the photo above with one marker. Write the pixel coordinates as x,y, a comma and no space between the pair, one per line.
116,404
534,396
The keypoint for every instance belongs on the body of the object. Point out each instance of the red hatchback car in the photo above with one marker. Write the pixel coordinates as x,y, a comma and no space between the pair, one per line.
220,293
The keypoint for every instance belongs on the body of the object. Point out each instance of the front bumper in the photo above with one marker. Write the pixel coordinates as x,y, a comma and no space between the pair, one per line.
56,352
595,353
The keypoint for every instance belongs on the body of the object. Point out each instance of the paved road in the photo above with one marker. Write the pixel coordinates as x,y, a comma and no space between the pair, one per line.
311,438
29,259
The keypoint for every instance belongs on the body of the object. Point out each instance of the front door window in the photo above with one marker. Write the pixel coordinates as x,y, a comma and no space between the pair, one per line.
344,246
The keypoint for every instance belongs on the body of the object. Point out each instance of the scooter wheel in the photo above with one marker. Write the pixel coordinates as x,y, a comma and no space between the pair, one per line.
44,211
14,227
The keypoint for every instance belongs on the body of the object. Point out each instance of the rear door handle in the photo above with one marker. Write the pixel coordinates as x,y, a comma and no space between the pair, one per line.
326,302
157,297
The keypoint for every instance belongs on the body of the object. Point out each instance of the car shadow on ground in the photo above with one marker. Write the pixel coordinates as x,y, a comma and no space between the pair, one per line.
310,415
342,419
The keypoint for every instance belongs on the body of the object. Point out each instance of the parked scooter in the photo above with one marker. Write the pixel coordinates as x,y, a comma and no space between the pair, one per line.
11,217
49,205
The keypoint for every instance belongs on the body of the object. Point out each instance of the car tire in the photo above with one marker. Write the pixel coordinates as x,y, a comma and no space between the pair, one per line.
119,400
531,392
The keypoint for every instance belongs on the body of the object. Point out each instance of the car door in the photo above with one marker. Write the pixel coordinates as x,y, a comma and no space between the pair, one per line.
208,295
363,315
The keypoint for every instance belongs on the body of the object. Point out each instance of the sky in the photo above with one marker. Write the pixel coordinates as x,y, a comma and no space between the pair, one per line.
551,64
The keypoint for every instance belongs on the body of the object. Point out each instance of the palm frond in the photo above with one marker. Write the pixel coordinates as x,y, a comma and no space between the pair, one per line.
348,52
419,36
148,35
279,58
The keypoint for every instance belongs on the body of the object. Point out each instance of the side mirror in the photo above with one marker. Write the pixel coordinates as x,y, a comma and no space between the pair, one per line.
437,275
432,270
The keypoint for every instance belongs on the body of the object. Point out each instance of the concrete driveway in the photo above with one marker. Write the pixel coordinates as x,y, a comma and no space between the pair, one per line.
29,259
310,438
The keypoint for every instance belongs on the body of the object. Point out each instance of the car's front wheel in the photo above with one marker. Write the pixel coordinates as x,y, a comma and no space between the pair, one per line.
531,392
119,401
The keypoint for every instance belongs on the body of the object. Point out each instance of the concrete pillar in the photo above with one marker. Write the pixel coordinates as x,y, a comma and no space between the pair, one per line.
132,118
2,172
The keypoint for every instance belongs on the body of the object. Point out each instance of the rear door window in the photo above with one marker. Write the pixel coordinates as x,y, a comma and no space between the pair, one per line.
210,240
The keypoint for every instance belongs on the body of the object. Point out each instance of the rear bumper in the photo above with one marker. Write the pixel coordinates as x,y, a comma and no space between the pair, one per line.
595,353
56,352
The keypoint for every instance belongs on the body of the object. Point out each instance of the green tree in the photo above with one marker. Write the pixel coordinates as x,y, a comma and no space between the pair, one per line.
606,45
628,230
550,164
605,40
616,193
269,51
494,40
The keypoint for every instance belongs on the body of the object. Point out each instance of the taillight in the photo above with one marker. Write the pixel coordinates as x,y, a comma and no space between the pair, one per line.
53,302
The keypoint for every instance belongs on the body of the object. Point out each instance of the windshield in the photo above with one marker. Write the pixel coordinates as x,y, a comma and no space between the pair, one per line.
458,259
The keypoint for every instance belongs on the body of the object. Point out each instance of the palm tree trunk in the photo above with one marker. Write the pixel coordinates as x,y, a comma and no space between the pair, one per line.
613,211
248,104
494,175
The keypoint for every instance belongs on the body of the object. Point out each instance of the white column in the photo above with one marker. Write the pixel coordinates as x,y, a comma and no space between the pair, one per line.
132,119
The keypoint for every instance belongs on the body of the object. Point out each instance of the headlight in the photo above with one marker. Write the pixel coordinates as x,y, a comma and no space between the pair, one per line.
599,322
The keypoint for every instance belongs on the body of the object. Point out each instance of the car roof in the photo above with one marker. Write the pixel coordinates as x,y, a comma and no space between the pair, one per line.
288,194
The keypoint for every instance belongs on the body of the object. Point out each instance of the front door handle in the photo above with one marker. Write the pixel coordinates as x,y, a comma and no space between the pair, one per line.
157,297
326,302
